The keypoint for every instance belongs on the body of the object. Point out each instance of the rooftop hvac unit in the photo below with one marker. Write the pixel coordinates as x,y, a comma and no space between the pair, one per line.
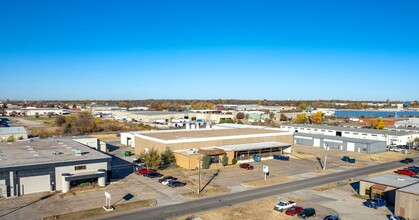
77,152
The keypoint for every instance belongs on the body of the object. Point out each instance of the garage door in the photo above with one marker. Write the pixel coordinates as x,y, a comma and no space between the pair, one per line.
351,147
316,142
34,184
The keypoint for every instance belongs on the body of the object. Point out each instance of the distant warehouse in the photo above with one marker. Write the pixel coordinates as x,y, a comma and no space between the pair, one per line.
390,137
341,143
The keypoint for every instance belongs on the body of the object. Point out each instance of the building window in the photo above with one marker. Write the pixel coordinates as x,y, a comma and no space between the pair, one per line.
355,133
80,167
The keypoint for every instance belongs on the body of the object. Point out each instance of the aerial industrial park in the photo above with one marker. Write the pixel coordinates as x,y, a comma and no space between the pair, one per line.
209,110
293,159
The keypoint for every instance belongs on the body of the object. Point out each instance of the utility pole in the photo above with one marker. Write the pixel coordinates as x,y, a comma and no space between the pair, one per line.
325,157
199,175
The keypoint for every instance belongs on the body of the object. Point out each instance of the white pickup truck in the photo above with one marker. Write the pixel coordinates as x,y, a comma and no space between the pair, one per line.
281,206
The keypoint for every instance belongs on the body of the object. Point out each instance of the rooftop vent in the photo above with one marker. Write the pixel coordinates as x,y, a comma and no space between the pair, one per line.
401,179
56,153
35,155
77,152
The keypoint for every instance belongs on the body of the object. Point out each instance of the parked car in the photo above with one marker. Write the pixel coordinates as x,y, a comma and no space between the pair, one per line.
161,180
174,184
281,206
375,203
413,169
136,160
295,210
144,171
246,166
307,212
406,172
345,158
167,182
331,217
407,160
153,175
395,217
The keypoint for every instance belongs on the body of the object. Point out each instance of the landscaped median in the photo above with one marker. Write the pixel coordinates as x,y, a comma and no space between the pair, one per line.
100,211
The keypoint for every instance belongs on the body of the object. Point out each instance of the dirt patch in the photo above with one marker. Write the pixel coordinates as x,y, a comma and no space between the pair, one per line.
100,211
258,209
303,155
210,190
268,181
323,171
329,186
383,156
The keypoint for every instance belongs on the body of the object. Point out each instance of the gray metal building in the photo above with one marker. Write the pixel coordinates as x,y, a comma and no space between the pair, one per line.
341,143
49,165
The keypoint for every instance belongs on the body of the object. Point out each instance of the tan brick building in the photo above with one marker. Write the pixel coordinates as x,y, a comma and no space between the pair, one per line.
407,202
239,143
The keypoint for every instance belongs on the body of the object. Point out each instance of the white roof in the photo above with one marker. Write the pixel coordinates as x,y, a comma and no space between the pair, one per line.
414,189
393,180
253,146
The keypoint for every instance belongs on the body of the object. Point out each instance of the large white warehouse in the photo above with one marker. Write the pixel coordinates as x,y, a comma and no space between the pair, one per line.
390,137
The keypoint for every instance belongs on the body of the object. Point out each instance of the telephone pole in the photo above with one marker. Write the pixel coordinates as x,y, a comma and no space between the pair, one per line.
325,157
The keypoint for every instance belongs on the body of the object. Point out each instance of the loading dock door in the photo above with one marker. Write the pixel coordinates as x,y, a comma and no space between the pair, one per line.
351,146
34,184
316,142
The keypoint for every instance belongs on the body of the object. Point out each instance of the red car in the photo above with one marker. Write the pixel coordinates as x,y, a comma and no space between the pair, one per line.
295,210
406,172
144,171
246,166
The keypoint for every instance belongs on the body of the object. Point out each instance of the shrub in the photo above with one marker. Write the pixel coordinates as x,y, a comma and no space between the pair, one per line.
206,162
234,161
224,160
168,159
11,139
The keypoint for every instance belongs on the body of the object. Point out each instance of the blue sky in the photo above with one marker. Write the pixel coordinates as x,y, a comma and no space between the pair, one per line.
360,50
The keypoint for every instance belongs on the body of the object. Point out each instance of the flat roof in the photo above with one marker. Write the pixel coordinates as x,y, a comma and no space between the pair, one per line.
355,140
207,133
12,130
340,128
151,113
413,189
403,128
393,180
253,146
45,151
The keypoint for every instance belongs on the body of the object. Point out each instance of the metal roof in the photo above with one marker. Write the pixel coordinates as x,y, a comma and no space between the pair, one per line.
340,128
413,189
45,151
151,113
253,146
355,140
393,180
12,130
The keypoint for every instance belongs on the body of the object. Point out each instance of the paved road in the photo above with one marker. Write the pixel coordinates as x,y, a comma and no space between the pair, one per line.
195,206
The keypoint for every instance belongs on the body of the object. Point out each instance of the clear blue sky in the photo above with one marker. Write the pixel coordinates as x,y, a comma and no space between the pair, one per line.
361,50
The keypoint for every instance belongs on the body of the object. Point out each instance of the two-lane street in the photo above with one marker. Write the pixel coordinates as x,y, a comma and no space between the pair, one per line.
195,206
